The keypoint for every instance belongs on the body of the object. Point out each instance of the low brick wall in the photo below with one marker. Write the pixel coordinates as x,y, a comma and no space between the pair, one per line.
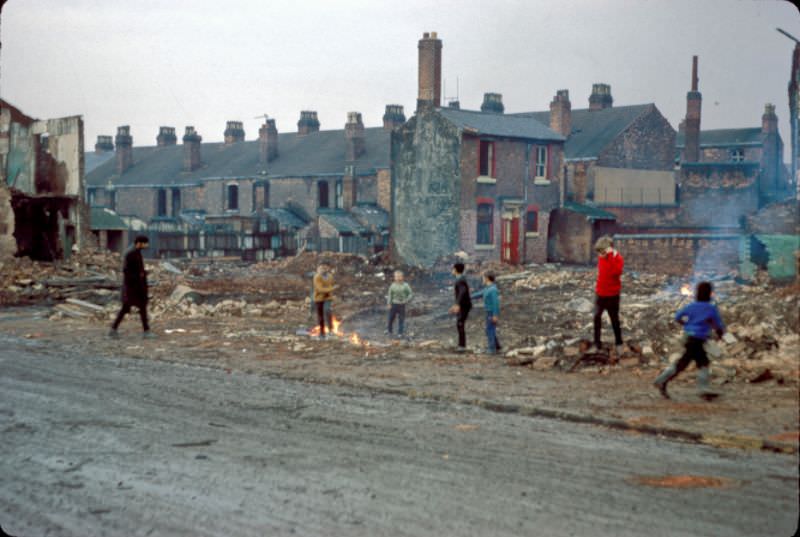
680,254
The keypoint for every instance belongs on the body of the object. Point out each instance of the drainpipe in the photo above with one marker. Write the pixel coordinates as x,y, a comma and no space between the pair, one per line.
525,197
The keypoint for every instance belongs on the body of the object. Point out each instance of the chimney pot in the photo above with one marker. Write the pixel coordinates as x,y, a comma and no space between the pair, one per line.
600,98
429,71
769,121
166,136
234,132
354,136
561,113
104,143
191,150
124,145
308,122
393,117
492,102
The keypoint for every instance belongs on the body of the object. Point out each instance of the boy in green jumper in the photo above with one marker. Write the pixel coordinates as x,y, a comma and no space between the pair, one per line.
398,296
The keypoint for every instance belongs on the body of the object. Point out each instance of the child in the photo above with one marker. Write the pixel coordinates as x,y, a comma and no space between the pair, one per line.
323,295
607,288
698,318
462,306
491,302
398,296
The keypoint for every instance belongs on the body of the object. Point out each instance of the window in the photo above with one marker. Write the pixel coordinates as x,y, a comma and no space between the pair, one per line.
161,204
322,187
541,161
233,197
486,159
532,220
111,195
485,219
92,196
339,194
176,201
737,155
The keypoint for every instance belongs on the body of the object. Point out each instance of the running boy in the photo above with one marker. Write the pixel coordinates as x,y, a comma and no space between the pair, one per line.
398,296
698,319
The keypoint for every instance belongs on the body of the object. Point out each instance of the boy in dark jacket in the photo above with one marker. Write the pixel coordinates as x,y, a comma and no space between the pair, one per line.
462,305
698,319
134,286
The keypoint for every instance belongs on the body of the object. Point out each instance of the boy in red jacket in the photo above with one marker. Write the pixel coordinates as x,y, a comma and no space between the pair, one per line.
609,285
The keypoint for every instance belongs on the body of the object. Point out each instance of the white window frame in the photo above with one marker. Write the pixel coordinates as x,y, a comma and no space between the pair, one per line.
541,162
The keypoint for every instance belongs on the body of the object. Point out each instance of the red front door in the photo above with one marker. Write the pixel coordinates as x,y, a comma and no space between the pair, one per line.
510,242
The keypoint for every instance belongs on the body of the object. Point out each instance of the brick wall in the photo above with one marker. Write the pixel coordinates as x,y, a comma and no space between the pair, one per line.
301,191
635,217
647,144
781,218
678,254
384,186
723,154
717,194
139,202
8,245
536,246
367,189
573,237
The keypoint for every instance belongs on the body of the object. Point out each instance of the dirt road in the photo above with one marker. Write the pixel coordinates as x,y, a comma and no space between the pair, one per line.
99,445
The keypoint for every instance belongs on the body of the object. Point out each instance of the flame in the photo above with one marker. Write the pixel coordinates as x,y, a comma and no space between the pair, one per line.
686,289
353,338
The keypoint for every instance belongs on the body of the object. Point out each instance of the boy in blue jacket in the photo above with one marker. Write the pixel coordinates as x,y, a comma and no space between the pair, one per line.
698,319
491,303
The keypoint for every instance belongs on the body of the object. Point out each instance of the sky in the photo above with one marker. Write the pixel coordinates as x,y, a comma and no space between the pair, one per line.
201,62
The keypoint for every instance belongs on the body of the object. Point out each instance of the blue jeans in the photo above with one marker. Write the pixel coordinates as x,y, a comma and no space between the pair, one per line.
491,334
399,311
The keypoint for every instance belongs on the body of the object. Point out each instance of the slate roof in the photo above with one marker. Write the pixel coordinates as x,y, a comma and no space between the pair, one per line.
105,219
286,219
318,153
591,212
92,160
342,222
512,126
593,130
725,138
371,216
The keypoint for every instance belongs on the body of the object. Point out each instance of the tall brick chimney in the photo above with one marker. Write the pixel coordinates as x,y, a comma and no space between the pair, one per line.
124,143
493,102
166,136
104,144
694,101
267,142
349,187
191,150
234,132
600,98
354,135
430,71
769,121
308,122
393,116
561,113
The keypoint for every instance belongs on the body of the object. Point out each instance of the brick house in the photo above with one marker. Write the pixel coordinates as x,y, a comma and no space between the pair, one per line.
235,183
478,181
618,167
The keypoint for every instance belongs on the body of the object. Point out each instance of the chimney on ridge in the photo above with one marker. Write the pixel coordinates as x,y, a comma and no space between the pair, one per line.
393,116
166,136
308,122
561,113
354,135
493,102
104,144
430,71
267,142
600,98
124,143
191,150
234,132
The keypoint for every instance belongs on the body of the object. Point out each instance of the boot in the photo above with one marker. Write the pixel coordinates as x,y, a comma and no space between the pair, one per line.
703,377
662,380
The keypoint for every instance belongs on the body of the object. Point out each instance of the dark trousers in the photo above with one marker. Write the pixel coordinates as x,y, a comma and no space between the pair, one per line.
321,317
491,334
694,352
126,309
611,305
399,311
461,321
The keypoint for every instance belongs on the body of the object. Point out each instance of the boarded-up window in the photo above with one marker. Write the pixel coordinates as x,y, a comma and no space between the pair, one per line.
322,187
161,204
233,197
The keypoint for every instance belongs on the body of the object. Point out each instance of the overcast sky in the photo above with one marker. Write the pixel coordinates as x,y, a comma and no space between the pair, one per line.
149,63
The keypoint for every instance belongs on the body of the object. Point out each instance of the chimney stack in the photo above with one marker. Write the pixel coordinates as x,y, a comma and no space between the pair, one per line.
104,144
600,98
234,132
124,143
430,71
349,187
769,121
267,142
492,102
191,150
694,101
354,135
561,113
393,117
166,136
308,122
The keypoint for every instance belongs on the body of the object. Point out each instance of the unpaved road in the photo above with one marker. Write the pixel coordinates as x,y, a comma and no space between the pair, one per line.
119,446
